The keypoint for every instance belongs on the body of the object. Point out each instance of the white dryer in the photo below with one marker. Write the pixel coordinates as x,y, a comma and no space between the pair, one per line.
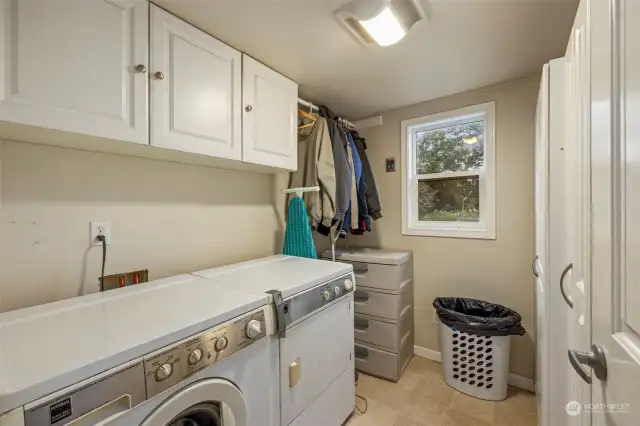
313,302
181,351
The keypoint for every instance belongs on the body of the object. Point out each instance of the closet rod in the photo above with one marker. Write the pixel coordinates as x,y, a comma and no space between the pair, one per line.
315,108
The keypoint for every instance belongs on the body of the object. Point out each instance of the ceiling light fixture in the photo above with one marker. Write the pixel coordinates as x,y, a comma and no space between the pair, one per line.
384,22
384,28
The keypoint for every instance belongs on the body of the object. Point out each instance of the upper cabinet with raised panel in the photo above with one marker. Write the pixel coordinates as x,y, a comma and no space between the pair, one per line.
76,65
129,71
269,121
195,89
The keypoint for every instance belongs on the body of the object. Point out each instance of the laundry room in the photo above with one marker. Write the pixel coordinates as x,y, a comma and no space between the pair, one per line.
318,213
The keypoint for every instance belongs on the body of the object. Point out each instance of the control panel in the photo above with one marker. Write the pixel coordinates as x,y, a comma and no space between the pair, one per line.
171,365
303,304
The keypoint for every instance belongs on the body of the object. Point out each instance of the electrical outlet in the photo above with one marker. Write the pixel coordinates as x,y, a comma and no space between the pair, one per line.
100,228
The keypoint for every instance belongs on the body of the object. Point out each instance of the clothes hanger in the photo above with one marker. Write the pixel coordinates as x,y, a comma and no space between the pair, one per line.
308,115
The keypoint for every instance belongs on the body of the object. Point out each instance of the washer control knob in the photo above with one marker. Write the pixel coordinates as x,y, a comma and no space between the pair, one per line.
348,285
336,289
194,357
253,329
163,372
326,295
221,344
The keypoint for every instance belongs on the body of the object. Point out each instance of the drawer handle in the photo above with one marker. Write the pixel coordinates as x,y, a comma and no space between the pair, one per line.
362,353
360,324
358,268
361,296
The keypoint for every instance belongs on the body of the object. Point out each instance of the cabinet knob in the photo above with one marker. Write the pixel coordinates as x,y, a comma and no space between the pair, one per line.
141,68
159,75
248,108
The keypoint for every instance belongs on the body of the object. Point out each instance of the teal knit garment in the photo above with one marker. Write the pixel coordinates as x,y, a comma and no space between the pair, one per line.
297,238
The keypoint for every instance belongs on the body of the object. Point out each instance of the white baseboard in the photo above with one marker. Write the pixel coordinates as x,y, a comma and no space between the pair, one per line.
514,379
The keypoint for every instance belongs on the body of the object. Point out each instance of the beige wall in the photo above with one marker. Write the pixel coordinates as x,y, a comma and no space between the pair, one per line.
497,271
166,217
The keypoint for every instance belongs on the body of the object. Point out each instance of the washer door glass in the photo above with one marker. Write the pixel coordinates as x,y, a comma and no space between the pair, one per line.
209,402
205,414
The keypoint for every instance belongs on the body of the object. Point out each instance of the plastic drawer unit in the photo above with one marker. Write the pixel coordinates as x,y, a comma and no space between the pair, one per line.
383,309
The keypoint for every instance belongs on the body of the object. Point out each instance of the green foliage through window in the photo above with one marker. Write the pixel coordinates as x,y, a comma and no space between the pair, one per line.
455,148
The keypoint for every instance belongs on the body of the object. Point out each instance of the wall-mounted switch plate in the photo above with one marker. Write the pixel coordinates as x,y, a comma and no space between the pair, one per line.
390,165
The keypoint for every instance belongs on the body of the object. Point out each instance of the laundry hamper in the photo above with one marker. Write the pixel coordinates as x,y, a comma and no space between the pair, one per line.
475,341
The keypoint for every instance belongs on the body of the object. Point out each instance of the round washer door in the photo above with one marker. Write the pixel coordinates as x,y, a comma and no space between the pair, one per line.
210,402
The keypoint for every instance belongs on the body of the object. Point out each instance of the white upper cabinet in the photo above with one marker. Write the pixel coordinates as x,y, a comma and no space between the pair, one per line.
195,89
76,65
270,103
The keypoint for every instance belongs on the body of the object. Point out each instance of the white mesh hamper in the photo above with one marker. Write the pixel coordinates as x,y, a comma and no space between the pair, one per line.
475,365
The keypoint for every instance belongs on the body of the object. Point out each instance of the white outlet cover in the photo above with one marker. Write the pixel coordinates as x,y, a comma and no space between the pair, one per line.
96,227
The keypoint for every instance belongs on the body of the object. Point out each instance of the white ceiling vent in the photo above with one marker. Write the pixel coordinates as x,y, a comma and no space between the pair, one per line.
384,22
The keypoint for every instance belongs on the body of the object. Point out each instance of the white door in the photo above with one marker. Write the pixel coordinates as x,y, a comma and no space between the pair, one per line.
615,109
76,65
576,284
270,112
195,89
541,260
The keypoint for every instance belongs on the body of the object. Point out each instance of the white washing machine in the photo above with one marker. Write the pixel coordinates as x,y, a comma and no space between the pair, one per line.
313,302
182,351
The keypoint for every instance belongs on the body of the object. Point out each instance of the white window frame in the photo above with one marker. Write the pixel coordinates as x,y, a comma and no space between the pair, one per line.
485,228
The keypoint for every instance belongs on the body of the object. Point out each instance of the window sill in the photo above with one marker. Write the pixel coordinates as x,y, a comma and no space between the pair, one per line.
475,234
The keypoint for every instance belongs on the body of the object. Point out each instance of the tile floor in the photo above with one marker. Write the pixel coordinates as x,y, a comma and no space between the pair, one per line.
422,398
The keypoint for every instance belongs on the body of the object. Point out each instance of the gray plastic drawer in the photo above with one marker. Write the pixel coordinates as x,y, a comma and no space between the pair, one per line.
382,333
376,332
383,305
381,363
383,277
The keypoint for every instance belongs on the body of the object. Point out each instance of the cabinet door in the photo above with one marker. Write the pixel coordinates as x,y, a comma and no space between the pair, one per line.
76,66
195,89
269,120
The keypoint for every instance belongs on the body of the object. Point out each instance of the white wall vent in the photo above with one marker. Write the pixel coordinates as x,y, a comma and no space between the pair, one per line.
407,12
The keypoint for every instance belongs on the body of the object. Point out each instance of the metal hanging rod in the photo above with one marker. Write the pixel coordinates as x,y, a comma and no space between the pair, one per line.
314,107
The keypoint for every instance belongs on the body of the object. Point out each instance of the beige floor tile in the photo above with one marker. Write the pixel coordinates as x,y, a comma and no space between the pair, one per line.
474,407
421,398
519,409
403,420
429,400
454,417
376,415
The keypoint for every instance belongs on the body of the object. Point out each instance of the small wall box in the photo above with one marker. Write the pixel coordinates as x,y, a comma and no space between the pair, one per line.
112,282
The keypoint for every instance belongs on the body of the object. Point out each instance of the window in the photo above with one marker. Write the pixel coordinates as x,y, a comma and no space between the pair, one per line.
448,168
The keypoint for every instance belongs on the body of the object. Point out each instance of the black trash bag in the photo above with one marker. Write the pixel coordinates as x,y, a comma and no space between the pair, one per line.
478,317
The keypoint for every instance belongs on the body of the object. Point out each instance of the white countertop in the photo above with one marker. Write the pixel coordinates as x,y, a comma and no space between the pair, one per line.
290,275
48,347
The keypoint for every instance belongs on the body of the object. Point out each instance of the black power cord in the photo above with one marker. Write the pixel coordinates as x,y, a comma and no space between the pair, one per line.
104,258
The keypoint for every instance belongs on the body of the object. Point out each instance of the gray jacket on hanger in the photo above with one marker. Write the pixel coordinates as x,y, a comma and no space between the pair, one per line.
341,163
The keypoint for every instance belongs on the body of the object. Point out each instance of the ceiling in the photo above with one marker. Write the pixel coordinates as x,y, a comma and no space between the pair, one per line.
464,45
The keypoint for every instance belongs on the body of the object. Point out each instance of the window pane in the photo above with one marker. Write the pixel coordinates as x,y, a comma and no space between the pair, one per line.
450,200
454,148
